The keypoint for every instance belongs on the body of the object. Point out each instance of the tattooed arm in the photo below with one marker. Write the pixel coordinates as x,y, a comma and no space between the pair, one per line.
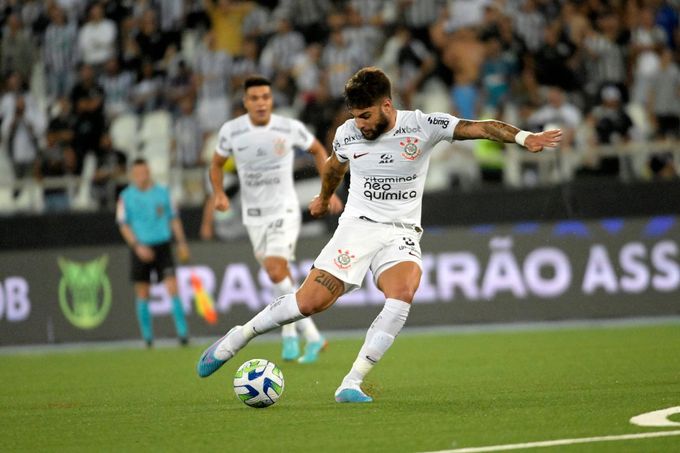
320,161
332,174
506,133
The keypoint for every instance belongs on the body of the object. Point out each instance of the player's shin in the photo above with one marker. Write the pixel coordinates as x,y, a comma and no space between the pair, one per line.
179,318
379,338
144,319
279,289
308,329
283,310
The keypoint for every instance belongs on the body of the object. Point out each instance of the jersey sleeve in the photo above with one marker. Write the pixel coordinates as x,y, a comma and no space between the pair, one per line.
223,146
302,138
121,211
338,147
171,205
439,126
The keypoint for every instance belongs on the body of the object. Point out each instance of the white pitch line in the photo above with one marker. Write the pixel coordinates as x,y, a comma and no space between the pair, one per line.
554,443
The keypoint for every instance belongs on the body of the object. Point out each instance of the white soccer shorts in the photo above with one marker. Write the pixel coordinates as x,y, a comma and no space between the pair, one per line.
277,238
359,245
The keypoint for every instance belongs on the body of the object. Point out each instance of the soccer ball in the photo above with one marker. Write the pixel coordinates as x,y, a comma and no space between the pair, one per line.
258,383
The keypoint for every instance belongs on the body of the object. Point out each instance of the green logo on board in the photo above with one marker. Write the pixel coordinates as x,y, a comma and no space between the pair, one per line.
85,292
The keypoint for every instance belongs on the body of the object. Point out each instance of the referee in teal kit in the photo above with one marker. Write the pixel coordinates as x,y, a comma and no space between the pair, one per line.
147,219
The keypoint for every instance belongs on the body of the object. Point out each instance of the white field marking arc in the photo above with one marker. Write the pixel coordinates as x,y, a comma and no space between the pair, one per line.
657,418
557,442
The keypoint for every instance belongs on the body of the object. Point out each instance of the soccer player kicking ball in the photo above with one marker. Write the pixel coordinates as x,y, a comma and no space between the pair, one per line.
388,152
263,147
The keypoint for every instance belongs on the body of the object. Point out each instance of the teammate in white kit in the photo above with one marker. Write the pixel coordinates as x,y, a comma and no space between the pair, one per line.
263,147
388,152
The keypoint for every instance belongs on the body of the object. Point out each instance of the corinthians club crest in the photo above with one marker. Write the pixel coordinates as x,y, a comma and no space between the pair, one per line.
344,259
280,146
410,150
85,292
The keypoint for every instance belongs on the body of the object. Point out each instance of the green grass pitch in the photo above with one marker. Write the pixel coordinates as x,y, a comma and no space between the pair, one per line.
432,392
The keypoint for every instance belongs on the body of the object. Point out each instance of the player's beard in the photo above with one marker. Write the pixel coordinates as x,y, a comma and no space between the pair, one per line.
380,127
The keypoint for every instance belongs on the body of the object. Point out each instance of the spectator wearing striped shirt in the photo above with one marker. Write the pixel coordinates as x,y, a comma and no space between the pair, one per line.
213,70
418,15
606,62
117,85
59,53
257,26
362,35
245,65
307,17
187,136
281,49
530,25
146,93
373,12
647,40
17,52
339,61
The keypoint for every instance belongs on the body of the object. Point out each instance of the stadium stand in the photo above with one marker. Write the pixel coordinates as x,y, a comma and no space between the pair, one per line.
514,50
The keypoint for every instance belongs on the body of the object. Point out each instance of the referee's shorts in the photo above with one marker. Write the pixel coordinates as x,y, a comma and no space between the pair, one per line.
163,264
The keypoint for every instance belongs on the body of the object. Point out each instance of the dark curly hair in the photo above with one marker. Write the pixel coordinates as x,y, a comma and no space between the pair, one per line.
366,88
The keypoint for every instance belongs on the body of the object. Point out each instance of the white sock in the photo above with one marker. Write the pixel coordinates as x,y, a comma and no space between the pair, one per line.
285,286
308,329
379,338
282,311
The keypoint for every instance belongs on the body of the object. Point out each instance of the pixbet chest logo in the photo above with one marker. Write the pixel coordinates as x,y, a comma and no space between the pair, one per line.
410,150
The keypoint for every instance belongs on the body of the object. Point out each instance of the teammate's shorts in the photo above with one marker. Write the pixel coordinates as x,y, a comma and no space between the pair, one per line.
359,245
163,264
277,238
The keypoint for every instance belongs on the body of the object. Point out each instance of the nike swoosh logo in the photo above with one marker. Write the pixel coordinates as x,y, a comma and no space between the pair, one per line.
356,156
241,148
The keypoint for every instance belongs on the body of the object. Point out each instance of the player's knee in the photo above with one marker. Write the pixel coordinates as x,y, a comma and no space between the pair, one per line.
142,291
171,285
310,304
403,292
276,271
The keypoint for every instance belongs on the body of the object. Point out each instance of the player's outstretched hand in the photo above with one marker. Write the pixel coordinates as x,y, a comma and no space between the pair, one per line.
221,202
318,207
536,142
183,253
336,205
144,253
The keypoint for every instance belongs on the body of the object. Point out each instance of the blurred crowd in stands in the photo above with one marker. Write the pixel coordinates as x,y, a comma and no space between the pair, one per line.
114,79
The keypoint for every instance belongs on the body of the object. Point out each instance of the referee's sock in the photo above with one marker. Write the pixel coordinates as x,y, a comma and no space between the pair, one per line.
144,318
180,319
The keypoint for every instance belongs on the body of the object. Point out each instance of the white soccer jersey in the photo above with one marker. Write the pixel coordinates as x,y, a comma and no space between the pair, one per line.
388,174
264,158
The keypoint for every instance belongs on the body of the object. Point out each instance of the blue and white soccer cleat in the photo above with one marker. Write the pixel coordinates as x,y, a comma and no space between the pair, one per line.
291,348
351,395
208,363
312,350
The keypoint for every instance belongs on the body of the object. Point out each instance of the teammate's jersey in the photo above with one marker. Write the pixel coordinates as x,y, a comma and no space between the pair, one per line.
148,213
264,158
387,175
